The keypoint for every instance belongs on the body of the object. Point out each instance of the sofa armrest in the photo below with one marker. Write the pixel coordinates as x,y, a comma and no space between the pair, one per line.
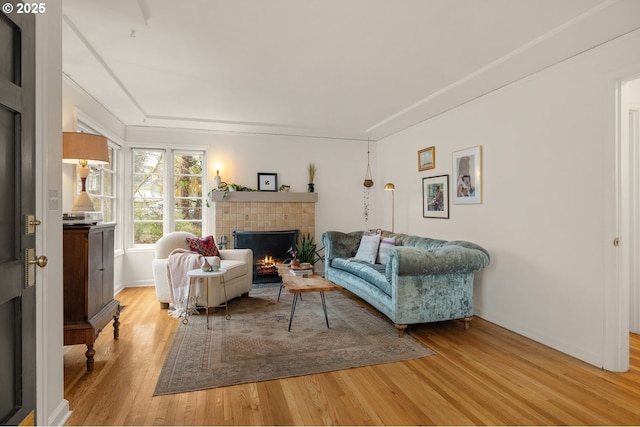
409,261
244,255
340,245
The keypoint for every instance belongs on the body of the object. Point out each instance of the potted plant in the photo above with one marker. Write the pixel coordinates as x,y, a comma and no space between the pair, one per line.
312,174
306,249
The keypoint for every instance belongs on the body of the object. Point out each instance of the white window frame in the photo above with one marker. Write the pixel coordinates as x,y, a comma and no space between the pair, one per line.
168,222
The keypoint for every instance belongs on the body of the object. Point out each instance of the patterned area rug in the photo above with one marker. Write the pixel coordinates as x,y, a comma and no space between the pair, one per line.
254,345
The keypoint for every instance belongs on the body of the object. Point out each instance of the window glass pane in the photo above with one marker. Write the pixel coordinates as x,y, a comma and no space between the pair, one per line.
148,209
191,227
147,232
107,183
148,162
148,186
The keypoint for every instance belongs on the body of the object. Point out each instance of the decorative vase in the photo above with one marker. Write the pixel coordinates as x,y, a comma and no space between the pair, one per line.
215,263
295,263
311,187
206,266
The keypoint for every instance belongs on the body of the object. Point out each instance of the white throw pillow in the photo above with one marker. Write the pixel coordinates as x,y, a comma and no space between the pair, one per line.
386,243
368,249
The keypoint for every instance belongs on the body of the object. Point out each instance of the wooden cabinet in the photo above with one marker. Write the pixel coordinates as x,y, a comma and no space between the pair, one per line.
89,305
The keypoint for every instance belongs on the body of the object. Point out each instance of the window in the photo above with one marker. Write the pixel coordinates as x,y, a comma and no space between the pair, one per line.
188,176
156,210
101,186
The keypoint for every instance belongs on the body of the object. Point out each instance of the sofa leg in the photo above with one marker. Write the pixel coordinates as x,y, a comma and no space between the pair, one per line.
467,321
245,295
164,306
401,329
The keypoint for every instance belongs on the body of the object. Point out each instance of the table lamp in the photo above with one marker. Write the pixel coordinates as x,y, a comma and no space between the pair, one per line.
84,149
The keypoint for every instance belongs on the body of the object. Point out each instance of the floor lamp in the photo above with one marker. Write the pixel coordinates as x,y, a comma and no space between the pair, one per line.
83,149
389,186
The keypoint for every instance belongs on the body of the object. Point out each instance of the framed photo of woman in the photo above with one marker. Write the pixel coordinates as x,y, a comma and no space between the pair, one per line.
467,176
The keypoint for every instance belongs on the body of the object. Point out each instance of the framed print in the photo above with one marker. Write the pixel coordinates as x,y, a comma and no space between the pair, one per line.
435,197
467,176
267,181
427,159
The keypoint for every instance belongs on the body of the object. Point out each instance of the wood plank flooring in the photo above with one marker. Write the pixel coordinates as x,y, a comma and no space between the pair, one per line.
483,376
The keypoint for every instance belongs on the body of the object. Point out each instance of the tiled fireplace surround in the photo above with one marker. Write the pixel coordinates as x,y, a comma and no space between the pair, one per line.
263,211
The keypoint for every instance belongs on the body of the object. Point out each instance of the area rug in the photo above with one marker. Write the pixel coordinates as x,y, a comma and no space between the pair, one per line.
254,345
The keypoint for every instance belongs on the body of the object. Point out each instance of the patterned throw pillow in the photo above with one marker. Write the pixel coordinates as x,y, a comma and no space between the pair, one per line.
205,246
386,243
368,249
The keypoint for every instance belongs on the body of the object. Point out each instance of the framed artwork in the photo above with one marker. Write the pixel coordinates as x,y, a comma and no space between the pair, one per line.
467,176
427,158
267,181
435,197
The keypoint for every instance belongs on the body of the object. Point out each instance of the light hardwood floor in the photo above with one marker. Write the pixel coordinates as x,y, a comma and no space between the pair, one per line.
483,376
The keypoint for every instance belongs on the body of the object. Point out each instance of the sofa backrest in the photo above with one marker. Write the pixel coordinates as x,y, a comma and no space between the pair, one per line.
170,241
427,243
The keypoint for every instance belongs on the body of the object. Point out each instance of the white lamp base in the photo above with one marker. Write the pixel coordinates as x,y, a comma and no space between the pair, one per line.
83,203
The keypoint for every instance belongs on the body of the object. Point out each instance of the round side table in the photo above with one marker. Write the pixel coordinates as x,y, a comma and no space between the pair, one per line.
199,274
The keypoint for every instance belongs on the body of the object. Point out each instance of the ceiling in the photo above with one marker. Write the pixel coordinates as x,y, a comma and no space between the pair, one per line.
329,68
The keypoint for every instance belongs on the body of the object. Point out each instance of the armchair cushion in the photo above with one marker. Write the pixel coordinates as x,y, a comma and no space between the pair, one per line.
204,246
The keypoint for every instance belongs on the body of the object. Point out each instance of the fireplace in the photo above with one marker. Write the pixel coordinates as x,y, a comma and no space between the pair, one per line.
269,248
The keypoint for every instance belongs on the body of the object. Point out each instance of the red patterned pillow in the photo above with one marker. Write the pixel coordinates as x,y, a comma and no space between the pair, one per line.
205,246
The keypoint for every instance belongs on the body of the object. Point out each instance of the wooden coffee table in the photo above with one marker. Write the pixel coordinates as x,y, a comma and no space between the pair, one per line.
299,284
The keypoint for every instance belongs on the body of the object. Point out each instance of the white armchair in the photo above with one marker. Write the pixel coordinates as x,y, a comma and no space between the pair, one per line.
237,262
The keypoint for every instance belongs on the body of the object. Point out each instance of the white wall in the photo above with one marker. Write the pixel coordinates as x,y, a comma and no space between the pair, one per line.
547,216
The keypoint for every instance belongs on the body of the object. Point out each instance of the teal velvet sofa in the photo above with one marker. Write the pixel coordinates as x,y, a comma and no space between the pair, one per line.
423,280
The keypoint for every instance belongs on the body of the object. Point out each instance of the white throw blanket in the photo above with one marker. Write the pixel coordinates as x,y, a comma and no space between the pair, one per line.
179,262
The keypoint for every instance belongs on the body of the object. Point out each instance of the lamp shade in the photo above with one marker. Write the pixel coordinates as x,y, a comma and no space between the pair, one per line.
80,146
389,186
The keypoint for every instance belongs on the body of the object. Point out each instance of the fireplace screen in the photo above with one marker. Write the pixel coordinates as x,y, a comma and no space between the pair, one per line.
269,248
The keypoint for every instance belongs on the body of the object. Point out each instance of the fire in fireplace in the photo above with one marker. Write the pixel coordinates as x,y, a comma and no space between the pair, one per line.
269,248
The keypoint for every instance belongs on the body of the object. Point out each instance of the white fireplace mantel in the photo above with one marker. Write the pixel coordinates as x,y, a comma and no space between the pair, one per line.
264,196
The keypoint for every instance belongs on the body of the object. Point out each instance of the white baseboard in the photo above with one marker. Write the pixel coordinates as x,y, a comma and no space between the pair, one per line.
61,415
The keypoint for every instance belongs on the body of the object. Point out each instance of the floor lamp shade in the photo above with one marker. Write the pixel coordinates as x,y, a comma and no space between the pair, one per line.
84,149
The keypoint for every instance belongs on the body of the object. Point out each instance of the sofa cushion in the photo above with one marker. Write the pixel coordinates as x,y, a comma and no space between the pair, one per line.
234,268
372,273
204,246
368,249
386,243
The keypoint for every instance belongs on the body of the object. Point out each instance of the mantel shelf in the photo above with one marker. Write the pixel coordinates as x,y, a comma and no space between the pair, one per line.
264,196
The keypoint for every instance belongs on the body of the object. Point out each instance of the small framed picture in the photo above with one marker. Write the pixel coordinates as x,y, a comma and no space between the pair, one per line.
427,158
467,176
435,197
267,181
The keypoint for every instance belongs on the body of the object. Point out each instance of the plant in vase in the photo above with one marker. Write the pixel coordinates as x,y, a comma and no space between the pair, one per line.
306,249
312,174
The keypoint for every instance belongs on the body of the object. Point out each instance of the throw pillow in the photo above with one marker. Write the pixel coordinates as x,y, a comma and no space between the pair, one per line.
205,246
368,249
386,243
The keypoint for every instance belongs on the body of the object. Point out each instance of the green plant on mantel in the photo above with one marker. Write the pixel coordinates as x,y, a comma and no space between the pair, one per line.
225,189
306,249
312,172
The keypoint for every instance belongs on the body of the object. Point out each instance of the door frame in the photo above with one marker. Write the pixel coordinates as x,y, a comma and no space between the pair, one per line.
624,271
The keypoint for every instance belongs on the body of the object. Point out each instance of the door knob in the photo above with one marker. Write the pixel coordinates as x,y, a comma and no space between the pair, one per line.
41,261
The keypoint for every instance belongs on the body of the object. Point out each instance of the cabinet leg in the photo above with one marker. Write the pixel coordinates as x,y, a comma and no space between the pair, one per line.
90,353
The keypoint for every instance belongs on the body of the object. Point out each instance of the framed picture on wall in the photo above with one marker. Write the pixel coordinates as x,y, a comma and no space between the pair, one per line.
427,159
435,197
467,176
267,181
